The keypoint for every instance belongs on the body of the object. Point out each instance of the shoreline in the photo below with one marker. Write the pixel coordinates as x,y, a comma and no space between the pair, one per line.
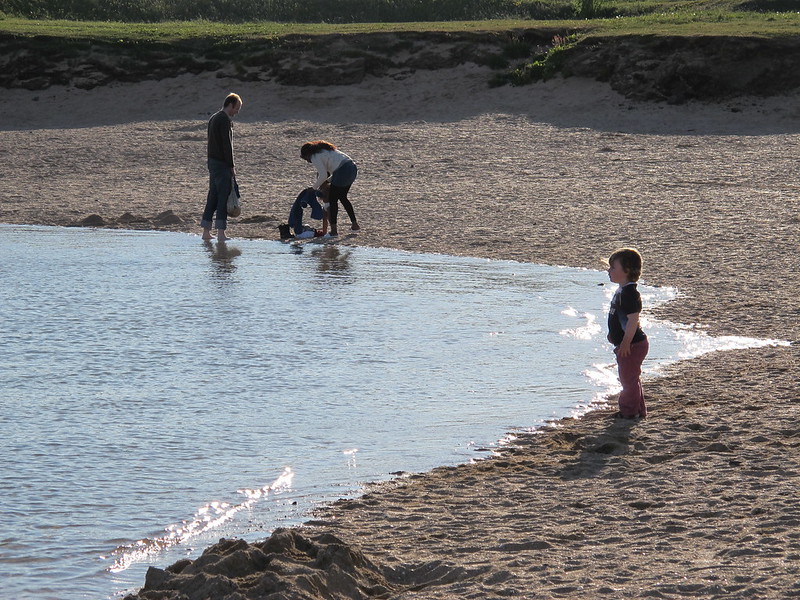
694,501
678,505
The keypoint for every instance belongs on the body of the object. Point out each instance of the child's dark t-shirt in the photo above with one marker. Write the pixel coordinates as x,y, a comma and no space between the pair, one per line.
626,301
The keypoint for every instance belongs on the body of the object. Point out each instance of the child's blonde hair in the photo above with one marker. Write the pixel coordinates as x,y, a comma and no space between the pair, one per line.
630,260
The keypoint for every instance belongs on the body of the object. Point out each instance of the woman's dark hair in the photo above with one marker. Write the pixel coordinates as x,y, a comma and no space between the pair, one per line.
309,149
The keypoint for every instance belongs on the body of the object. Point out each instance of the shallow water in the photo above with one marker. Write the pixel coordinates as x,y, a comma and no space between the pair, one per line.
160,393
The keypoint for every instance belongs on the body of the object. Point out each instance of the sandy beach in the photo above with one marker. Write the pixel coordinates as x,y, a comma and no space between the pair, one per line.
697,501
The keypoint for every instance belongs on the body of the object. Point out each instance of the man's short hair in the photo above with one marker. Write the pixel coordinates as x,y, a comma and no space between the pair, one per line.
232,99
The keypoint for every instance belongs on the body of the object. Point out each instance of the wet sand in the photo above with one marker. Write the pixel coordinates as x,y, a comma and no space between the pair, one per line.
698,500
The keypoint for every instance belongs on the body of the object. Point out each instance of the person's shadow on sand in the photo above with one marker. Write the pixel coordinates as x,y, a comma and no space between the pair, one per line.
597,448
222,258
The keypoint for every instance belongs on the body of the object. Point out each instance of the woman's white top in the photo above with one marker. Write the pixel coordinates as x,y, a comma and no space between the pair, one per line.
327,161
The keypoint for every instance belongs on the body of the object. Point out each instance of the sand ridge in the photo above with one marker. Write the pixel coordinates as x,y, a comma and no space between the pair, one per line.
695,501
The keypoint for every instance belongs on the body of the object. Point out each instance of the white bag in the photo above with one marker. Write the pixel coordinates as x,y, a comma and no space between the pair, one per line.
234,200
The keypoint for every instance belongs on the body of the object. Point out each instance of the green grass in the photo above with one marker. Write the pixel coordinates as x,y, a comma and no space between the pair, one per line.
632,17
682,24
188,30
715,23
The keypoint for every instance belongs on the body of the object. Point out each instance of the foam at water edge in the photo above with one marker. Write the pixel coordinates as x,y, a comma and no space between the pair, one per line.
207,517
694,343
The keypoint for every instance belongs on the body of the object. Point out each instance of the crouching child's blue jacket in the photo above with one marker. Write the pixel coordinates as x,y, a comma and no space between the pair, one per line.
306,198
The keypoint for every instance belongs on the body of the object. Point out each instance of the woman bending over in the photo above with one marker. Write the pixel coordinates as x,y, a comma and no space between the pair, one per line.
335,166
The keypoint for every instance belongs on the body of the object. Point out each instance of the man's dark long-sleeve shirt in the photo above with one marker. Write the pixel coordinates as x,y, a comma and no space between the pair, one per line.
220,138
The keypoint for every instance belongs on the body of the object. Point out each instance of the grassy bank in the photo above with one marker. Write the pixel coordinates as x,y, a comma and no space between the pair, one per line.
675,56
681,23
354,11
368,11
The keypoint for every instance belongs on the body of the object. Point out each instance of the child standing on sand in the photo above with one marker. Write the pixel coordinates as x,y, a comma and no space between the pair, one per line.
630,342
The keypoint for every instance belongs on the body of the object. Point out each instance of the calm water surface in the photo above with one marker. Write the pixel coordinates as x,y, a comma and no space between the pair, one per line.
160,393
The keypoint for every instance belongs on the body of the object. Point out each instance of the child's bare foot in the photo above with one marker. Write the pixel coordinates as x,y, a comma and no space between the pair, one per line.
221,237
207,235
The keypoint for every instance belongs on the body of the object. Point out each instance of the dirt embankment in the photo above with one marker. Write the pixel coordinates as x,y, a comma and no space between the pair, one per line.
678,69
675,69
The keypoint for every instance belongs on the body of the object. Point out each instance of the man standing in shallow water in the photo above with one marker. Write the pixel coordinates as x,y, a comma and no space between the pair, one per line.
221,167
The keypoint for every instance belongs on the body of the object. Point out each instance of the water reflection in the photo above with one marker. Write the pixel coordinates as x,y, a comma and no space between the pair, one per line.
222,257
331,259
